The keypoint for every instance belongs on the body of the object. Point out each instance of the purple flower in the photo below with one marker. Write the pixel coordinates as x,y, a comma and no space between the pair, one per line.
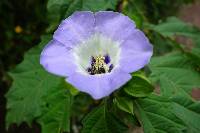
96,52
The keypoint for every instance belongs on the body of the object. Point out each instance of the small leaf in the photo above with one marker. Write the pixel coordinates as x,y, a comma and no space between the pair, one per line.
125,104
138,86
72,89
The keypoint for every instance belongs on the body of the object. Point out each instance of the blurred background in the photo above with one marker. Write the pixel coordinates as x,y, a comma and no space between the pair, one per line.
22,22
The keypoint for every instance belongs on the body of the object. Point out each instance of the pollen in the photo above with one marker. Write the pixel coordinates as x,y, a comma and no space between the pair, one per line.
99,65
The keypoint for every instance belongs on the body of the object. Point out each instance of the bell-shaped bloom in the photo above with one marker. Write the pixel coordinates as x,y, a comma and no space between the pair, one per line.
96,52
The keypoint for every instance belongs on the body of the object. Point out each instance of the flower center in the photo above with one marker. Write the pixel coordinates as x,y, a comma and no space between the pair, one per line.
97,55
99,65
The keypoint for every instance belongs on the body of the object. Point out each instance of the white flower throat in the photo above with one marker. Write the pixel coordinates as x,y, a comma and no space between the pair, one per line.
97,55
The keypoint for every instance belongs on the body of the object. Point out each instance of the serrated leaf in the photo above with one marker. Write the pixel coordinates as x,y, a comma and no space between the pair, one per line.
125,104
37,94
174,26
30,84
190,118
56,115
156,115
100,120
138,86
185,108
177,78
175,70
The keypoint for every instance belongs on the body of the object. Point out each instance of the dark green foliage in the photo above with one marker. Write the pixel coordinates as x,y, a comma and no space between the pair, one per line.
33,94
59,9
151,10
36,95
174,26
56,114
138,87
125,104
157,116
100,120
31,84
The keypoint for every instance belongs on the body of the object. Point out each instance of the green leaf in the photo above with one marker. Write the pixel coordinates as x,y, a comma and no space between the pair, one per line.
183,106
125,104
60,9
56,10
190,118
37,94
135,10
175,70
56,115
30,84
99,5
91,5
155,113
194,55
177,78
71,88
174,60
100,120
55,4
138,86
174,26
161,44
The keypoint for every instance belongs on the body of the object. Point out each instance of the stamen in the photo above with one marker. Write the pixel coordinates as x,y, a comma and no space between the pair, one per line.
111,67
107,59
99,65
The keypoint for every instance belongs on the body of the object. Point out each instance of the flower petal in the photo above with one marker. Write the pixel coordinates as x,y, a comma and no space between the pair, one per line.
99,86
114,25
135,53
78,27
56,58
